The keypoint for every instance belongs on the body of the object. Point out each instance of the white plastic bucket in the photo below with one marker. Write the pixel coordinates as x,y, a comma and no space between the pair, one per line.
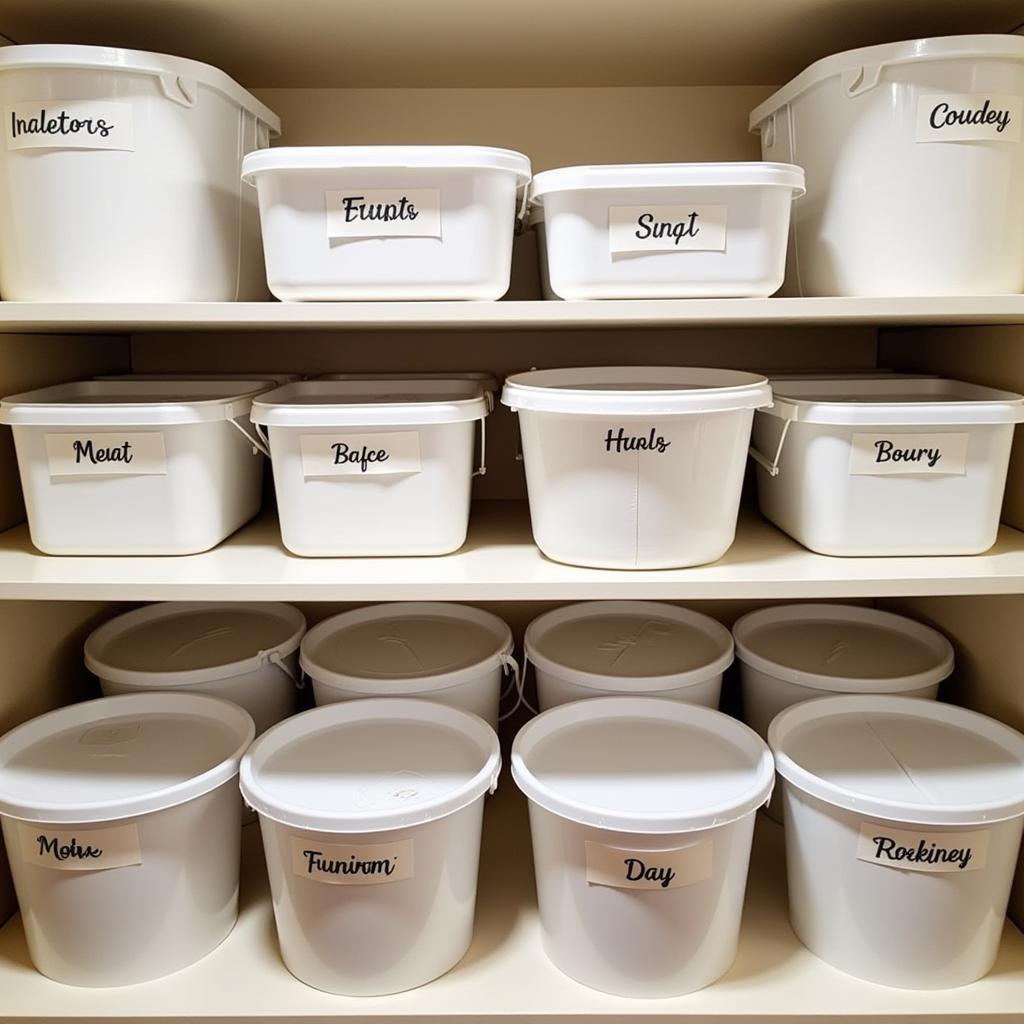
449,653
121,818
635,467
120,178
903,823
371,813
136,467
892,466
642,813
388,222
795,652
636,648
369,467
535,223
246,653
666,231
915,168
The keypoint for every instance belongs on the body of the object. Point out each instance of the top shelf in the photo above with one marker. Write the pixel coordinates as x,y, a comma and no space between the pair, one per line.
105,317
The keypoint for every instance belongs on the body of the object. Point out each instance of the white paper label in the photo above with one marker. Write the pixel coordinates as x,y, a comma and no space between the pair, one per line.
922,851
384,213
80,849
969,117
106,454
70,124
360,454
666,228
620,441
342,864
648,869
908,454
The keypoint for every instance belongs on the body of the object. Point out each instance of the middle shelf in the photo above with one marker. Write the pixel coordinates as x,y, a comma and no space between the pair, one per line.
498,562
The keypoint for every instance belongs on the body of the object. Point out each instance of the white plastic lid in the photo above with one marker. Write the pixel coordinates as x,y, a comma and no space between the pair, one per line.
843,648
119,757
487,381
893,400
370,765
642,764
129,403
858,66
389,648
185,643
756,173
902,759
340,158
629,645
636,390
371,402
109,58
273,379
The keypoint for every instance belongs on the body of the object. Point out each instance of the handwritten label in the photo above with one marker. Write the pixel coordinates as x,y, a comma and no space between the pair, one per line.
618,441
70,124
360,454
80,849
969,117
340,864
666,228
908,454
106,454
384,213
649,869
922,851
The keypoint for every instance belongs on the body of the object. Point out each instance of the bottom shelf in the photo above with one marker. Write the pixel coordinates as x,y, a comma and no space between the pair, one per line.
506,974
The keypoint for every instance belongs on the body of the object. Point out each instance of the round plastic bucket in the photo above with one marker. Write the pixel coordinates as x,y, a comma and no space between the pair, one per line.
371,813
121,818
634,648
795,652
903,823
642,814
906,130
635,467
449,653
246,653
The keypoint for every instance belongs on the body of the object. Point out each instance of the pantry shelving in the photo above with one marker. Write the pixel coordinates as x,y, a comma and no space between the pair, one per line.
498,563
506,976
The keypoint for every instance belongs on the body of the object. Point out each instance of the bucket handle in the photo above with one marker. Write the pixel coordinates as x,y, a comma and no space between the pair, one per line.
274,658
517,683
772,464
481,470
259,442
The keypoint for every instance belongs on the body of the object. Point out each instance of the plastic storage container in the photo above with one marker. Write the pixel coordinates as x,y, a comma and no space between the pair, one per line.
449,653
791,653
634,648
535,223
641,813
371,814
388,222
246,653
121,818
903,823
885,466
666,231
635,467
370,467
924,134
136,467
120,178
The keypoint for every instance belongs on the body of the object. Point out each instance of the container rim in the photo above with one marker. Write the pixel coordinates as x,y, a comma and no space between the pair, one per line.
104,709
747,626
349,713
658,709
98,639
983,812
113,58
712,628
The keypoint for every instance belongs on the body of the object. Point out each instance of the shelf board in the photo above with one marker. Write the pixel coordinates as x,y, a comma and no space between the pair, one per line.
105,317
498,563
505,975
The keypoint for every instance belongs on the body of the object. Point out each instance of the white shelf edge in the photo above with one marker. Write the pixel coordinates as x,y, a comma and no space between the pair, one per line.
499,562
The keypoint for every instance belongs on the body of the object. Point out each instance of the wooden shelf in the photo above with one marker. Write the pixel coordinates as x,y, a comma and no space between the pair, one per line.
498,562
105,317
506,975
